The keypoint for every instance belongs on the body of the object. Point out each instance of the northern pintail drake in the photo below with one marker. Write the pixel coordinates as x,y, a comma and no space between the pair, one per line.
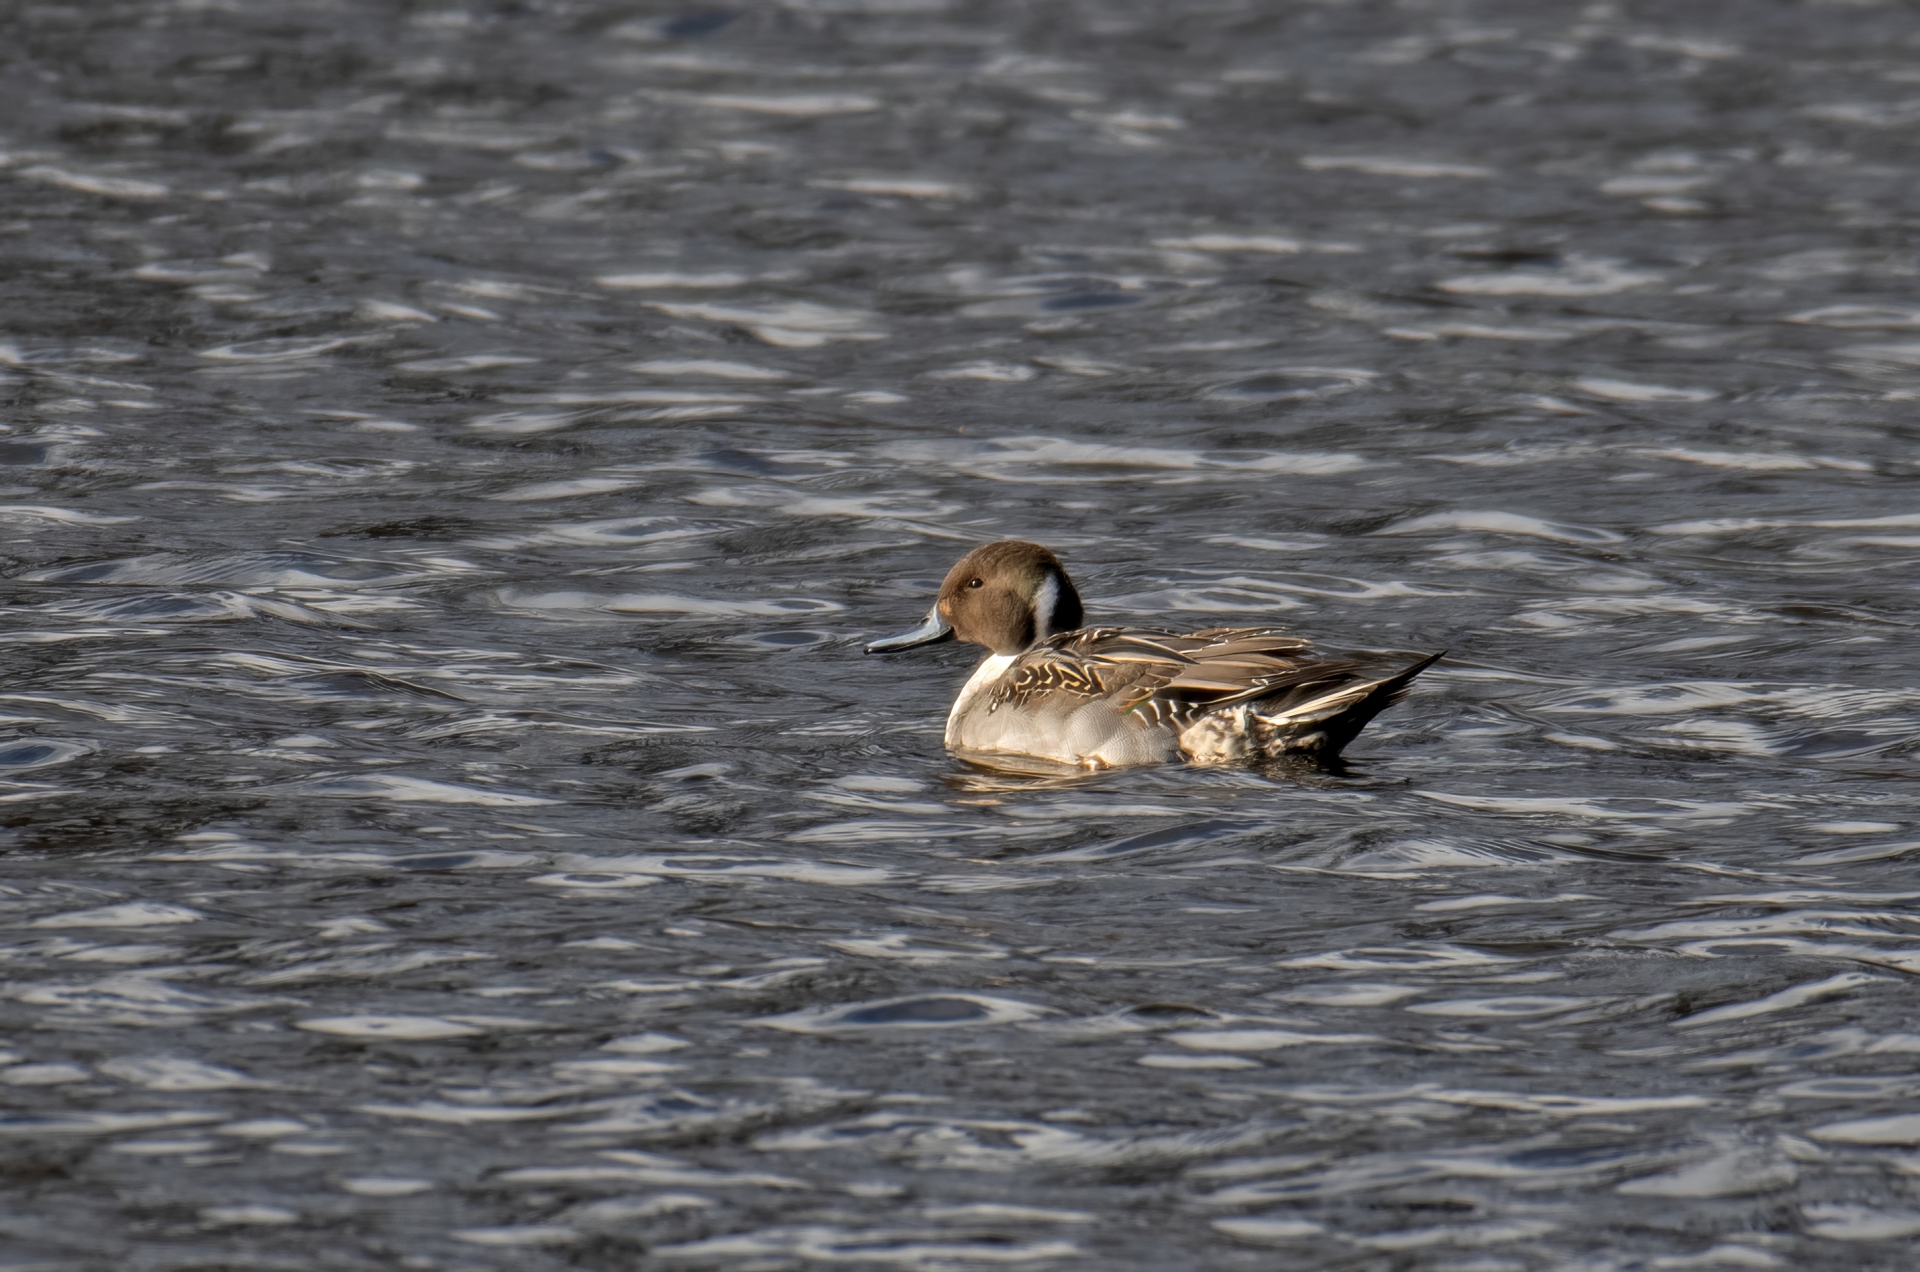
1100,697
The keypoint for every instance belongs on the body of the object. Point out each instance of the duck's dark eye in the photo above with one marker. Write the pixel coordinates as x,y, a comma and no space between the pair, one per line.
976,582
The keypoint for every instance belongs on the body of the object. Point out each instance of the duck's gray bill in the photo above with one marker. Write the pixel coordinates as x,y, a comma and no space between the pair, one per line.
933,630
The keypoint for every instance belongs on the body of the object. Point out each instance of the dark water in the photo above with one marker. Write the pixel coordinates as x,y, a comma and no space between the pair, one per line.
453,457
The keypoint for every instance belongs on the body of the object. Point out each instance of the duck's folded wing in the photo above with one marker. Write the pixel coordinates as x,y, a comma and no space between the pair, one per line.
1082,668
1166,674
1224,686
1239,664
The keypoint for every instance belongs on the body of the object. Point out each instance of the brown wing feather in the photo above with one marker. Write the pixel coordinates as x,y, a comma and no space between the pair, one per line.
1091,663
1166,676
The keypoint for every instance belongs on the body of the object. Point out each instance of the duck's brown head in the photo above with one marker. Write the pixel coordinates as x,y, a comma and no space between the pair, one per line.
1007,596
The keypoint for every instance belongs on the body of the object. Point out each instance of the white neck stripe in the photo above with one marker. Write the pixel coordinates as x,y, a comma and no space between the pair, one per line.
1045,602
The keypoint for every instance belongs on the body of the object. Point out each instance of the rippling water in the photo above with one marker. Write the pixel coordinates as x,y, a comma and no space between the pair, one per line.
452,458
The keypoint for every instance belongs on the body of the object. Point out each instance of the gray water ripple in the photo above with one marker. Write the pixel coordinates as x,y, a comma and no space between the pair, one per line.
452,457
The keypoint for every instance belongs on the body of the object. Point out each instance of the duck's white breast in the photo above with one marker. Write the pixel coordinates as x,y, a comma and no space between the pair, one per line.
983,678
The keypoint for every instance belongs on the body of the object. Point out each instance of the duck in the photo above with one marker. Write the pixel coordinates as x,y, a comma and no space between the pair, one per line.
1055,691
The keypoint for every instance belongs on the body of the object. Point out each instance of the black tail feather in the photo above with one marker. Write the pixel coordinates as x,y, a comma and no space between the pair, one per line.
1298,726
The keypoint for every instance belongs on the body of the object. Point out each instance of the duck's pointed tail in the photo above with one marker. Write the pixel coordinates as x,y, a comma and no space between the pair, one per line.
1323,720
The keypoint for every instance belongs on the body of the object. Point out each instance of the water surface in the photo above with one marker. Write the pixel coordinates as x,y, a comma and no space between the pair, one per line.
453,457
